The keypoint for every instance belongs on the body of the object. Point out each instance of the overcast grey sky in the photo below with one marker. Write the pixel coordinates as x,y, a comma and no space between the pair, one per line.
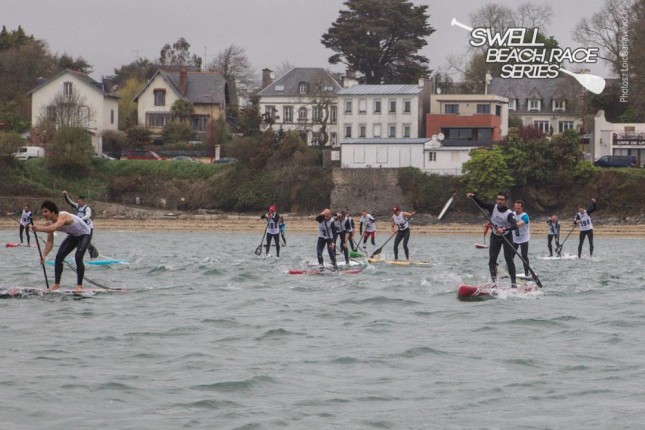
110,33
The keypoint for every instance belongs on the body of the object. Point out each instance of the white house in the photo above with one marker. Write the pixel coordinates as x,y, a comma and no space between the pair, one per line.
208,93
98,107
303,100
618,139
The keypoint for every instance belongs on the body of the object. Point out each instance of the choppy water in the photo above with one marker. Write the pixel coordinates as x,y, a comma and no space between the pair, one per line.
210,336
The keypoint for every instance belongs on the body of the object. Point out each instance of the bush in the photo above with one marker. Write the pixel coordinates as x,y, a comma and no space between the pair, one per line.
71,152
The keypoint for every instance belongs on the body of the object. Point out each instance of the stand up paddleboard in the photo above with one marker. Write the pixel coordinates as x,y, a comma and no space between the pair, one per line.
325,272
18,245
480,246
97,262
399,263
24,292
474,293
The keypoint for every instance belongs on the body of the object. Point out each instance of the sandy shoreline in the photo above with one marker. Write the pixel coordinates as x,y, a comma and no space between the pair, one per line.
240,223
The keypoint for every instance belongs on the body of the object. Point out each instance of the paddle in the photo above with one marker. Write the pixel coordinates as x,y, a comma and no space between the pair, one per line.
89,281
378,251
558,248
258,250
42,262
533,274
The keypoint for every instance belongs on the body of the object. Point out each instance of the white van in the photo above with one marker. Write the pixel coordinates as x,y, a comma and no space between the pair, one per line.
27,152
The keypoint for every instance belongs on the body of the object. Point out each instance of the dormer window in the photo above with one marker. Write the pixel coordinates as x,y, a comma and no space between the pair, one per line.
558,105
303,88
328,88
279,87
512,104
535,104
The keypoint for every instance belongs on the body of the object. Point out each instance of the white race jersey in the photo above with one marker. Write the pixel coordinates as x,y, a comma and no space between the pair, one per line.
25,218
500,219
325,229
369,223
585,221
273,226
523,232
77,228
401,221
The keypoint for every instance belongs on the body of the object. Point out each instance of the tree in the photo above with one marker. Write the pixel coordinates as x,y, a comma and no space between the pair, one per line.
65,61
9,144
138,136
322,100
637,61
128,114
178,54
603,30
234,65
487,172
176,132
380,39
181,109
141,70
71,152
68,110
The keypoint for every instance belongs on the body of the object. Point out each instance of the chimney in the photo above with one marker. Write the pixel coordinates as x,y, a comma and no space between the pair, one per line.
350,79
183,75
267,77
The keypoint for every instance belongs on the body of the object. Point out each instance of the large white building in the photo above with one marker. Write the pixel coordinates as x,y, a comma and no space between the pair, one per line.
618,139
98,107
303,100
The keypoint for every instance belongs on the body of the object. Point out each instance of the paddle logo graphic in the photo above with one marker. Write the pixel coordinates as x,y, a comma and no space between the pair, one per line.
523,56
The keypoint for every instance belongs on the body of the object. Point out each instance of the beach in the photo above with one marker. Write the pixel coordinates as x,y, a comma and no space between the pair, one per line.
232,223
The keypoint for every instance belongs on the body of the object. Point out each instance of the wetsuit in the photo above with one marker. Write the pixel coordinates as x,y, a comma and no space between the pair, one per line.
521,238
586,228
25,219
369,223
273,232
78,236
402,234
85,213
326,234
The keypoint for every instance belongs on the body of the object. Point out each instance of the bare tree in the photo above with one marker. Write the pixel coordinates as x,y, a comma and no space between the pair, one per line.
603,29
283,68
532,15
234,65
322,101
68,110
178,54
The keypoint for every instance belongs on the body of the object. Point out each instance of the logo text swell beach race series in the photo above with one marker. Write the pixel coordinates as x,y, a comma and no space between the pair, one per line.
522,56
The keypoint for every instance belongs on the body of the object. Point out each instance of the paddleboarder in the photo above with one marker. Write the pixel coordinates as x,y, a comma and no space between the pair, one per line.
522,235
25,220
273,229
84,212
501,235
401,226
553,232
344,234
586,227
326,234
283,229
367,228
78,237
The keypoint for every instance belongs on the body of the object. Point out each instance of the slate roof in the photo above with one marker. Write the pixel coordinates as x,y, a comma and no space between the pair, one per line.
291,80
201,87
386,140
381,90
99,86
564,88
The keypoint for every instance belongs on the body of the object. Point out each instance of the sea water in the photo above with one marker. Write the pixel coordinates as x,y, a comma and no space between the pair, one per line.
211,336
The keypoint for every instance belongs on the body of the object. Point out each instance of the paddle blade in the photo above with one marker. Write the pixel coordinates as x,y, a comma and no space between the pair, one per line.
446,206
258,250
376,253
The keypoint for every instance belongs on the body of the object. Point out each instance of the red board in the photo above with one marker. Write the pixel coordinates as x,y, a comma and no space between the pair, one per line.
473,293
17,245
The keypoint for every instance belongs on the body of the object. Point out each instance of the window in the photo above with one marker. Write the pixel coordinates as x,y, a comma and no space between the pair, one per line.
84,115
333,114
534,104
484,134
348,106
303,88
406,130
269,112
543,126
407,106
157,119
279,87
451,108
302,114
111,116
160,97
498,110
359,155
362,106
483,109
348,130
392,106
287,114
432,156
333,139
377,106
381,155
51,113
68,89
362,130
512,104
198,122
564,125
558,105
316,114
328,88
391,130
376,130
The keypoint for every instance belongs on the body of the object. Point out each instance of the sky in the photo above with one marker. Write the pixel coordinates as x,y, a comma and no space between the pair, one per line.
111,33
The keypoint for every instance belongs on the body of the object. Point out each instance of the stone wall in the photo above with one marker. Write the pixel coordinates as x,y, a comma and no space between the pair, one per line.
376,190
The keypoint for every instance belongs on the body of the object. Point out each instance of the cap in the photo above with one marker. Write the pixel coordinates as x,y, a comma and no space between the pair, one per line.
272,208
81,197
396,208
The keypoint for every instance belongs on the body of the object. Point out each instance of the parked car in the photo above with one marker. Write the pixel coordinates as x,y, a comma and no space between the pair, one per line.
616,161
226,160
141,154
184,158
27,152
